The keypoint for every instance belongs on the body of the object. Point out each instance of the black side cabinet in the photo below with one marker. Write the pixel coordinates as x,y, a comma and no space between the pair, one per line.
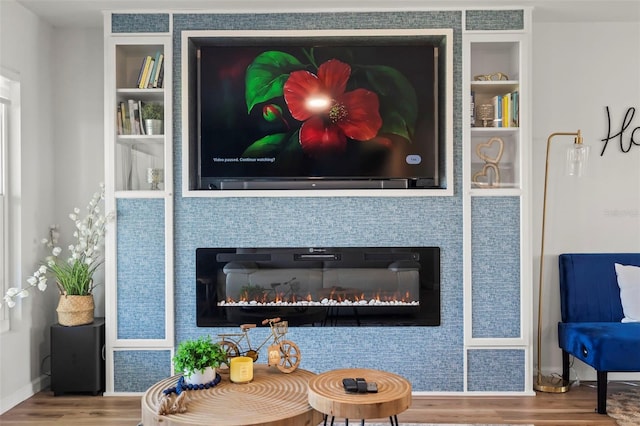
77,358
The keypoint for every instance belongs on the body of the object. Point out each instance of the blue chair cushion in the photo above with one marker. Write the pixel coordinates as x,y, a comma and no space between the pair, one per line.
606,346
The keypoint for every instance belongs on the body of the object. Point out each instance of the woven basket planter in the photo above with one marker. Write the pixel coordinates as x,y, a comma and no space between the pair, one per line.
75,310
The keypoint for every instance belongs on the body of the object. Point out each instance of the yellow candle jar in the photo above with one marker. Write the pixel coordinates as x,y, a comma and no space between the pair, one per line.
241,369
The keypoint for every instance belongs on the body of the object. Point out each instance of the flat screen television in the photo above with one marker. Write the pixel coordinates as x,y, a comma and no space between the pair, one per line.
319,109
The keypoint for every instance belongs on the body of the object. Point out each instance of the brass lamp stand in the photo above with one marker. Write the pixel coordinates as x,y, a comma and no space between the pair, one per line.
574,162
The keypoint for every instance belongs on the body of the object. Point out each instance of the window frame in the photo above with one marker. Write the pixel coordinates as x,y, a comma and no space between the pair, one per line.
9,188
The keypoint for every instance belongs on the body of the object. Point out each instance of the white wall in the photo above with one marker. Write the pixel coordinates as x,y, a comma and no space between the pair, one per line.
78,117
578,70
25,50
62,163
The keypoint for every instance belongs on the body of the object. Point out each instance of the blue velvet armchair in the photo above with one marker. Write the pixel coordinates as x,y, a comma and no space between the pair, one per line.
591,329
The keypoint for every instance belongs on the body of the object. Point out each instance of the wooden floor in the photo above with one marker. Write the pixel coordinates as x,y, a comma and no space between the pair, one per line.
575,407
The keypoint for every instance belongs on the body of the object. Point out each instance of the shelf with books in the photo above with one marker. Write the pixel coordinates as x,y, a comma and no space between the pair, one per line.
496,103
138,171
139,67
132,117
496,180
494,134
131,62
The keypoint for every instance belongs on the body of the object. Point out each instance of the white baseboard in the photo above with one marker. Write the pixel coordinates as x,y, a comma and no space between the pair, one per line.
24,393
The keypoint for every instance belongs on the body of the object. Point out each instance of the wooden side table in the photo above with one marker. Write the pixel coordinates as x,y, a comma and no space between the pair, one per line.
273,398
327,395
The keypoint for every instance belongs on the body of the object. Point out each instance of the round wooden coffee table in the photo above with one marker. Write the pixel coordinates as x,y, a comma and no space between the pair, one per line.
273,398
327,395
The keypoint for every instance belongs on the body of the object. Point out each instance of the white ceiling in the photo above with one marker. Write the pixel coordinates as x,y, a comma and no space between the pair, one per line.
88,13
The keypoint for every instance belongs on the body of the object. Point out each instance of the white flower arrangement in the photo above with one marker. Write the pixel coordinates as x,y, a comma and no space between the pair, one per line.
75,275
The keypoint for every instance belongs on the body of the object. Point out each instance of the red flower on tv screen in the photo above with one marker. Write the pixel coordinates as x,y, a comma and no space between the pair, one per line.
329,114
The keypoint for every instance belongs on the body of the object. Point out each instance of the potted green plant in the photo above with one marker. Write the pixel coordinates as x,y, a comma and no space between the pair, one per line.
198,359
74,275
153,115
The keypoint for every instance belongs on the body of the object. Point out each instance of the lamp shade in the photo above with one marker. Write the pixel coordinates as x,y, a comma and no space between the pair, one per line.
577,160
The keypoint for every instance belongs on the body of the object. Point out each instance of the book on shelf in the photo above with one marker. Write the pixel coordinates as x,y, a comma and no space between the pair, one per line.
119,127
144,61
506,110
157,67
144,81
143,131
506,120
161,76
473,108
129,118
134,117
150,71
515,109
124,117
497,111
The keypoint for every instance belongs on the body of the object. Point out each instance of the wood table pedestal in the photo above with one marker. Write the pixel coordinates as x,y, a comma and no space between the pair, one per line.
327,395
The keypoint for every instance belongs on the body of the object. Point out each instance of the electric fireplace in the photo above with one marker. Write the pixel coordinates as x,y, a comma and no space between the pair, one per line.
318,286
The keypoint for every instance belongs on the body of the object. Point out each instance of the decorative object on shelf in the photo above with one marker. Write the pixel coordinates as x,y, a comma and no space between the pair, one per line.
488,176
193,356
485,114
241,369
74,277
155,177
577,156
153,115
491,153
486,150
496,76
284,354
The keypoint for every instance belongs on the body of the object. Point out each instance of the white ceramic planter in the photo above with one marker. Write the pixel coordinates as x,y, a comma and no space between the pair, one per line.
200,376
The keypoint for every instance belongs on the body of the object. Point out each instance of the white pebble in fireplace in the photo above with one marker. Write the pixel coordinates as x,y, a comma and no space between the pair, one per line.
320,284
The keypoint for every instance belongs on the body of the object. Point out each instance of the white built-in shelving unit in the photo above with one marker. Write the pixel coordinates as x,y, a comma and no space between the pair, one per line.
131,159
496,163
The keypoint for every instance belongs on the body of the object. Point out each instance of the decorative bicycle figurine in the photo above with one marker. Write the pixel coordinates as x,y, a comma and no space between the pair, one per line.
282,353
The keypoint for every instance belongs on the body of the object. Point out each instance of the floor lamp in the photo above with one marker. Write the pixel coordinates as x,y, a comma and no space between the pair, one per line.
575,163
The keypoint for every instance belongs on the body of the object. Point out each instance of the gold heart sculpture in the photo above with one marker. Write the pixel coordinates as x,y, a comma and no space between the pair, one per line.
484,149
482,178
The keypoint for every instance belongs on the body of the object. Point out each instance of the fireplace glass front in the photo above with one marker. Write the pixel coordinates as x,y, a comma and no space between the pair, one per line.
332,286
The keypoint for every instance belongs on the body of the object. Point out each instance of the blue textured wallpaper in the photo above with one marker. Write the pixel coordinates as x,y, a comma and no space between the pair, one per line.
495,261
138,23
424,221
494,20
495,370
432,358
141,269
137,371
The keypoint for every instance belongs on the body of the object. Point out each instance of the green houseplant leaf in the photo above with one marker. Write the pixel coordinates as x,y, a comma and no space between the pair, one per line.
152,111
266,76
198,354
